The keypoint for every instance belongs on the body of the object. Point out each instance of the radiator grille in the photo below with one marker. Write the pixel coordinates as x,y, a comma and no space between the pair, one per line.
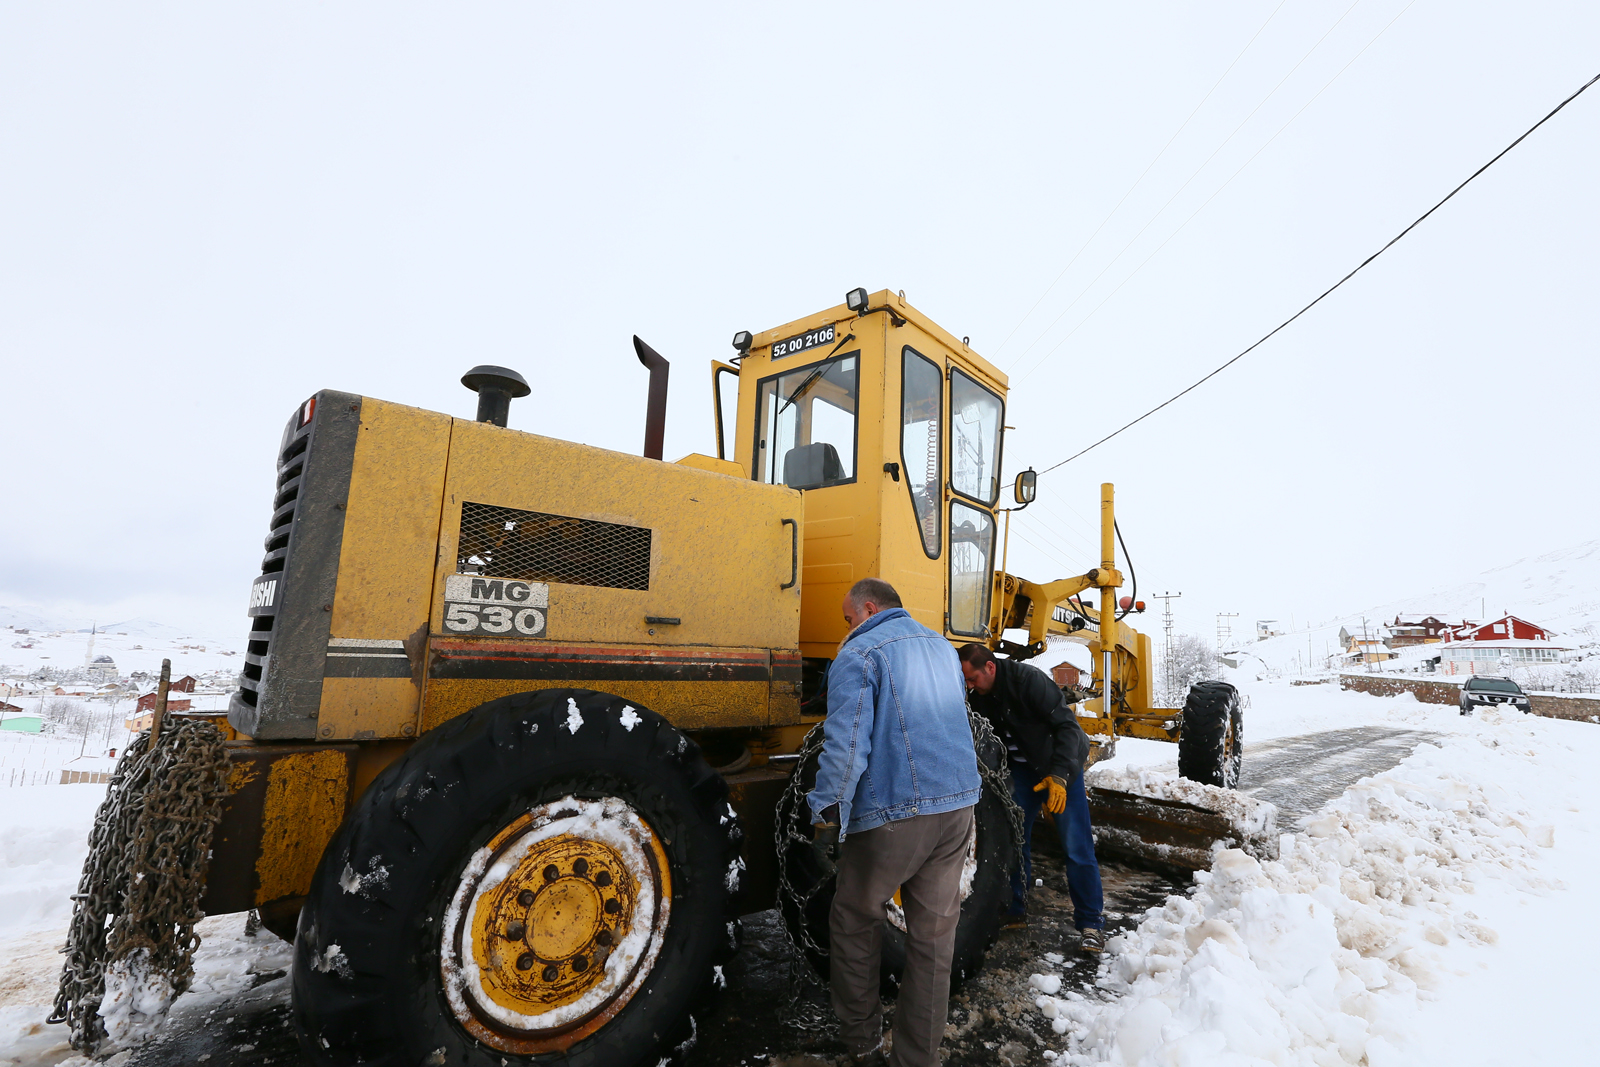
537,547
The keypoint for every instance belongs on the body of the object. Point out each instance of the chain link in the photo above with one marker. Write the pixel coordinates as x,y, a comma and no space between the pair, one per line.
142,882
996,779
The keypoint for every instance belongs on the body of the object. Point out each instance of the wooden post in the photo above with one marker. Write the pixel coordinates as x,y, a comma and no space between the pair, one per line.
161,703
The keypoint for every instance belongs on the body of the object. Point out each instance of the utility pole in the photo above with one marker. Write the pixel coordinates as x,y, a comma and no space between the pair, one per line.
1224,627
1166,625
1366,651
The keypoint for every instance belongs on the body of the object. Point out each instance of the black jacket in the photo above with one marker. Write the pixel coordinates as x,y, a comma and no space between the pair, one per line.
1030,707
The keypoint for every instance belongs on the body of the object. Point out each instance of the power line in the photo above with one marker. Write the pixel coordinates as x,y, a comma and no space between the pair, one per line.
1327,292
1162,210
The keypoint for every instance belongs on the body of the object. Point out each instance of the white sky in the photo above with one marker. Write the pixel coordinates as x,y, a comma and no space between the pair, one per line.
208,212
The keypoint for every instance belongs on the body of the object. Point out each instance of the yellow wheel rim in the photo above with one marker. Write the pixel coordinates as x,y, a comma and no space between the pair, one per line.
555,925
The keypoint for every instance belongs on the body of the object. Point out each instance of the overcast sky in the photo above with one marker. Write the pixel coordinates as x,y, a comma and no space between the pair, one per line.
208,212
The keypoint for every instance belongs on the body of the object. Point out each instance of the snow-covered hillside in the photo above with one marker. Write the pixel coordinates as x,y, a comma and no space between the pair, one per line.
1558,590
138,646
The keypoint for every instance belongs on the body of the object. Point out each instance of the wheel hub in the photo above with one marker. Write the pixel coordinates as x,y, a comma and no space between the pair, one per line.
555,924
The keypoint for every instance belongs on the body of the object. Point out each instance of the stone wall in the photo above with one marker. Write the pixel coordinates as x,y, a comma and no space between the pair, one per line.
1448,691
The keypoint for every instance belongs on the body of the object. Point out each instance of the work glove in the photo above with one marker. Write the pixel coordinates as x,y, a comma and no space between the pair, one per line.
1055,802
825,846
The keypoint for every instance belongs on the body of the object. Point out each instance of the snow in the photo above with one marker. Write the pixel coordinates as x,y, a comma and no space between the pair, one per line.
1382,933
1435,914
574,719
629,718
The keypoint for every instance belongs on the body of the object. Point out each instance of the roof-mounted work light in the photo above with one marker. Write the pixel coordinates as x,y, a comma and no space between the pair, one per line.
856,300
741,342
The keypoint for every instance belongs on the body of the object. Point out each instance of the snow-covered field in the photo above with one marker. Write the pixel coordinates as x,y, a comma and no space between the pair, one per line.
1437,913
135,645
1434,914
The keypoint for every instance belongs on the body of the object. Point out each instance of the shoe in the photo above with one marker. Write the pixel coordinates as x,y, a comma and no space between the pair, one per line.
875,1058
1092,939
1014,921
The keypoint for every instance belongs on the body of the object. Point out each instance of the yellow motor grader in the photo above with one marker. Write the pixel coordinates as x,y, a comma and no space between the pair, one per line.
520,731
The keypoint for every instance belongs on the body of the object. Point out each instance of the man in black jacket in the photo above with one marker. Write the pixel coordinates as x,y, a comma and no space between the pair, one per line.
1046,749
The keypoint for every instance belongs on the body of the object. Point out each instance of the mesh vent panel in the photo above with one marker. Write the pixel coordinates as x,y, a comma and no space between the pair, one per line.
536,547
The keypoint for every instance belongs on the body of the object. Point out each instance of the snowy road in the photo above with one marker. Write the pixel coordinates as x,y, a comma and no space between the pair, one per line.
1299,774
1316,744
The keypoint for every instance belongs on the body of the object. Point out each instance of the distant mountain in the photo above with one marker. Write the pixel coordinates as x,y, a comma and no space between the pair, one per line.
143,628
28,619
1559,590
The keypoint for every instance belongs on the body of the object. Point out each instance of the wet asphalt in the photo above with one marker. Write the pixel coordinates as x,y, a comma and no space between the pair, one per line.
771,1013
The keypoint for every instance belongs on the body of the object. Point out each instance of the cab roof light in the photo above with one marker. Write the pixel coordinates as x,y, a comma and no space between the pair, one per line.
741,342
856,300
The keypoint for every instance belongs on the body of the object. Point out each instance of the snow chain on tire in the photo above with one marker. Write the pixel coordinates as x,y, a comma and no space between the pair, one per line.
142,881
997,780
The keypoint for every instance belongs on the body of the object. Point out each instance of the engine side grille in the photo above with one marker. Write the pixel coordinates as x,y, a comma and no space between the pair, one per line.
537,547
280,686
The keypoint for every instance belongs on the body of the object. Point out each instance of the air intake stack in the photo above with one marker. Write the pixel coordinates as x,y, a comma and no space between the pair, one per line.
495,386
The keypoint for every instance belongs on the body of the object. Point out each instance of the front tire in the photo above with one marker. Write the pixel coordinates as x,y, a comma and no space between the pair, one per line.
1211,741
551,873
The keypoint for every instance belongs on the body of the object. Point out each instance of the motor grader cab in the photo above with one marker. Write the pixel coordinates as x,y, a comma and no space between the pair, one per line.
522,727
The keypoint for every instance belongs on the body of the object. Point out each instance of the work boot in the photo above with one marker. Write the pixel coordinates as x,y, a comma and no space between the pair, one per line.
1014,920
875,1058
1092,939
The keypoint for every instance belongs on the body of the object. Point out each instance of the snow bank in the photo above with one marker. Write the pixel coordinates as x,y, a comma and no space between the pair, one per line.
1321,956
44,837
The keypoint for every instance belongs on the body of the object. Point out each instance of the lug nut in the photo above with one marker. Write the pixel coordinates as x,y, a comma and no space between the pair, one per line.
580,964
612,907
602,878
580,866
551,973
551,873
514,931
603,937
525,961
525,898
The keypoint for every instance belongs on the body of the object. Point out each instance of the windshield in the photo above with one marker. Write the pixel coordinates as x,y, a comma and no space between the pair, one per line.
806,430
974,439
1494,685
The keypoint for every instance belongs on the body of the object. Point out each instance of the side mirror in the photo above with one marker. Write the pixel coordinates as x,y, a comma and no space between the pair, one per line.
1027,486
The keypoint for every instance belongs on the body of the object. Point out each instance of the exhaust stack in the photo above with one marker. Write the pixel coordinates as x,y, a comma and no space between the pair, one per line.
655,412
495,387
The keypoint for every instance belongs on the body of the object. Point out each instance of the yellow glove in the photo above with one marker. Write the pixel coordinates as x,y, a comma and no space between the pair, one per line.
1056,802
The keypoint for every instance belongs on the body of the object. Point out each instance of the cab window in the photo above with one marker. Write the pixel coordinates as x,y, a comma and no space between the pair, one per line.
921,412
806,425
971,569
974,439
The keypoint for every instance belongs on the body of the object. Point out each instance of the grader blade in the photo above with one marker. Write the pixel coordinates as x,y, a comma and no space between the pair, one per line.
1176,826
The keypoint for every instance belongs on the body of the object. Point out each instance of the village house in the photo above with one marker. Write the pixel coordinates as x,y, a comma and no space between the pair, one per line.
1416,630
1493,647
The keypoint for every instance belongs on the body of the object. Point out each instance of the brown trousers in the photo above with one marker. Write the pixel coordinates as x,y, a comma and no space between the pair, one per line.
922,858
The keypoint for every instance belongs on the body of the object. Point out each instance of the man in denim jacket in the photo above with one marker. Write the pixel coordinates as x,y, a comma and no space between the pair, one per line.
899,775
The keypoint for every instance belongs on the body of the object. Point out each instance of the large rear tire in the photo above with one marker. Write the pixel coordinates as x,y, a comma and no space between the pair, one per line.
551,873
986,884
1211,742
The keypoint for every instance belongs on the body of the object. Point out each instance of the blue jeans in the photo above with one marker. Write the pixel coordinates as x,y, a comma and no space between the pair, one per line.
1077,841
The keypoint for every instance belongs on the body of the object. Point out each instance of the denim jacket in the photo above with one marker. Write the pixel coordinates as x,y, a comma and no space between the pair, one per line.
896,742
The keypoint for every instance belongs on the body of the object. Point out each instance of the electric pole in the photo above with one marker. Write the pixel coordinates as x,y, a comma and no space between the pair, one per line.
1166,652
1225,628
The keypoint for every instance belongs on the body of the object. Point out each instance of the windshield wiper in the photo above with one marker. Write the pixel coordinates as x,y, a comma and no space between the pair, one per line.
813,376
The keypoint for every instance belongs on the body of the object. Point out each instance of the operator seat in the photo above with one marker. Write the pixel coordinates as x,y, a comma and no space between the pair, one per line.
811,466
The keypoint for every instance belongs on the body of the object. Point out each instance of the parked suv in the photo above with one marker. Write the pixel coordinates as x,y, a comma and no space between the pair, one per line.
1480,691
